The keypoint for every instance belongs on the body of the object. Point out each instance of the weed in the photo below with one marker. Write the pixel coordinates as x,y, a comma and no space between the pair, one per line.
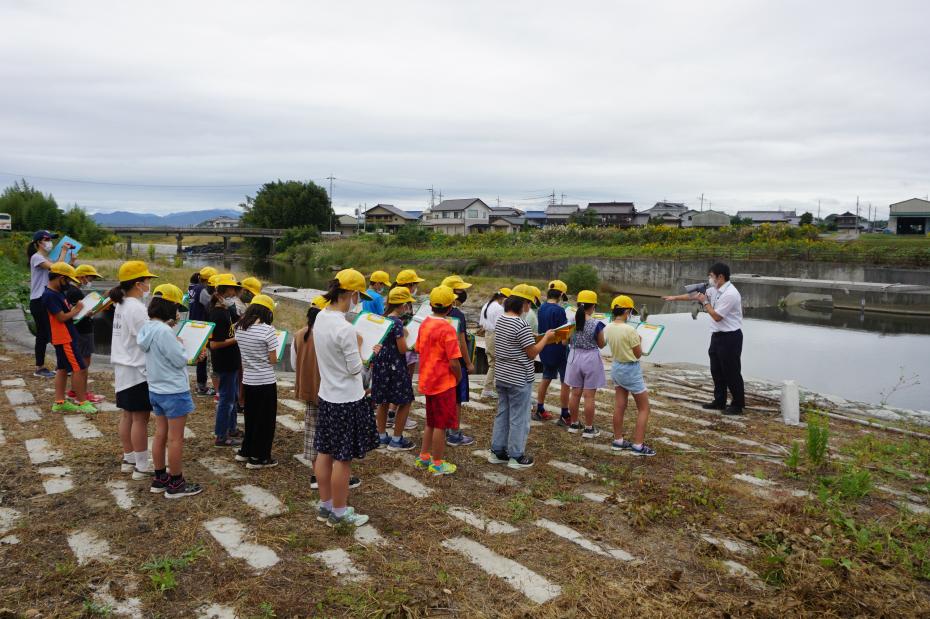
777,552
267,610
568,497
794,457
818,437
162,570
520,507
97,609
851,485
65,568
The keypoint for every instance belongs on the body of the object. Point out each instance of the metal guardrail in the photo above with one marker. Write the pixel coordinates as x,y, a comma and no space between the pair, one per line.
872,255
237,231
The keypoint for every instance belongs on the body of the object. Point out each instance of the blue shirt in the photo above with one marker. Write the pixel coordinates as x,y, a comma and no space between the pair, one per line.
376,305
550,316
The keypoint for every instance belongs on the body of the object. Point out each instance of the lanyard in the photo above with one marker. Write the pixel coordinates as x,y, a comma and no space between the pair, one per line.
720,294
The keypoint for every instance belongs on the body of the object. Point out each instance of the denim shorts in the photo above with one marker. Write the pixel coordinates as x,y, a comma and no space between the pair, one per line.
171,405
629,376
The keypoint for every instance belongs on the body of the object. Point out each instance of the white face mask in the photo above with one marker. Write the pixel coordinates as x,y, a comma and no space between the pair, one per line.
353,302
231,302
145,292
711,282
47,245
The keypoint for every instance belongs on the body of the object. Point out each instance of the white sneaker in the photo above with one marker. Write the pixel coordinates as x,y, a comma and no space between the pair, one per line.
591,432
126,466
142,474
350,517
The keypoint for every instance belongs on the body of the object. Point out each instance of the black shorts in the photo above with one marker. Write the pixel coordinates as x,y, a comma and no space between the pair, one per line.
69,358
85,345
134,399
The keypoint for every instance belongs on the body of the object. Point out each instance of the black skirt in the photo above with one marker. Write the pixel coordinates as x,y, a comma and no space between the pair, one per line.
346,431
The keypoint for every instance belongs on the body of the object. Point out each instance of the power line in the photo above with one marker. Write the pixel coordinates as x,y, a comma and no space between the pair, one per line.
115,184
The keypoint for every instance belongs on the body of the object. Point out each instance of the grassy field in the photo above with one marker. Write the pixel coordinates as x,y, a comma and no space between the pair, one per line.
728,520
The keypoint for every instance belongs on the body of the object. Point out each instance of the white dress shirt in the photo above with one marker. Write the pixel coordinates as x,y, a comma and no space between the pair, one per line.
727,302
338,358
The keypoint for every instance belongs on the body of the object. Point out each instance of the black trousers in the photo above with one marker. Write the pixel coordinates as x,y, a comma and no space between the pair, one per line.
725,350
261,411
43,329
202,373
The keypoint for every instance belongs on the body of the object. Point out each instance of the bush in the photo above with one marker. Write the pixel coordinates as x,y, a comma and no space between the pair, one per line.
818,436
412,235
299,236
580,277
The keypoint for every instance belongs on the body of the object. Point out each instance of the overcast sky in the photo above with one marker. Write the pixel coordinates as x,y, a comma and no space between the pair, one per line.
754,104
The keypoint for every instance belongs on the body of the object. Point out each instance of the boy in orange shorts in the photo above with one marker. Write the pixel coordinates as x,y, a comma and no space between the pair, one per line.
440,372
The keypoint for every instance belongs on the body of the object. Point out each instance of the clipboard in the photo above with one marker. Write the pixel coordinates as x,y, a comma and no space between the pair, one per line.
92,303
413,329
563,333
283,338
186,300
649,336
194,335
55,254
373,328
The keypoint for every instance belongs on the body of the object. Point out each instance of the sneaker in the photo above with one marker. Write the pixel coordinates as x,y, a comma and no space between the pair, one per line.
410,424
236,433
389,423
457,439
733,410
142,474
621,444
65,407
216,398
400,443
645,450
420,463
314,484
523,462
241,457
44,373
159,483
354,482
127,466
564,422
227,442
542,416
181,488
91,397
576,427
255,463
383,441
86,408
591,432
489,395
206,391
350,518
498,458
446,468
322,514
713,406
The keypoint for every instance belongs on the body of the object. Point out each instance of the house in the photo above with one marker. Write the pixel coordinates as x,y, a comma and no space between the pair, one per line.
910,217
614,213
536,218
704,219
505,211
770,217
559,214
347,225
220,222
666,219
662,209
510,224
460,216
640,220
388,218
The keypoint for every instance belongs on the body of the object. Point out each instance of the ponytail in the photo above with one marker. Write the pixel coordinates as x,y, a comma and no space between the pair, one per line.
312,311
32,248
333,291
580,315
494,297
118,292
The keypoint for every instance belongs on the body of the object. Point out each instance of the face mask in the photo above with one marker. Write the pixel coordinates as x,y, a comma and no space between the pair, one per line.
462,296
231,302
145,291
711,282
353,302
413,291
47,245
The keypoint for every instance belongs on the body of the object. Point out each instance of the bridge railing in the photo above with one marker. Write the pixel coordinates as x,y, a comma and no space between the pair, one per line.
239,230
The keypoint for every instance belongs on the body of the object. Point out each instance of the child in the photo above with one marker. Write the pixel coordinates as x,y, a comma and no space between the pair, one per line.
390,381
128,360
487,318
346,427
454,436
224,355
251,288
258,345
409,279
64,337
626,349
199,308
554,357
39,264
440,372
379,282
85,328
516,349
585,371
169,391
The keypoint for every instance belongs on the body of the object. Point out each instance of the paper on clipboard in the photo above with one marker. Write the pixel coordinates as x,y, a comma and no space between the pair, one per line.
373,328
649,336
92,301
194,335
283,338
413,329
55,254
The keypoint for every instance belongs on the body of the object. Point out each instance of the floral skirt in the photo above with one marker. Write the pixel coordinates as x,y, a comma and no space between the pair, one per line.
346,431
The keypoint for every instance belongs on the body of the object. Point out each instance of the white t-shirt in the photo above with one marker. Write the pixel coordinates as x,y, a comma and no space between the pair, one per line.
127,357
254,345
727,302
494,310
39,276
338,358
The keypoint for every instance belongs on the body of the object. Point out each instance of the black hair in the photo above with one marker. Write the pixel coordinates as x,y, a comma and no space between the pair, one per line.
162,309
195,278
554,294
580,316
333,291
618,311
53,276
441,309
312,311
118,292
514,304
390,307
246,296
461,295
254,313
494,297
32,248
719,268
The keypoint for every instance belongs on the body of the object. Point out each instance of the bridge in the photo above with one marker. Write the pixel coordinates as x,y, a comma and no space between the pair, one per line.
180,231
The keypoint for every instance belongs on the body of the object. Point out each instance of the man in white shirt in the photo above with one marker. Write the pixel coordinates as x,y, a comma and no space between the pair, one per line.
724,305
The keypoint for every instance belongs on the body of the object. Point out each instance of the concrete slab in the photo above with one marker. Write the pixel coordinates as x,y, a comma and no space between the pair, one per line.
262,501
493,527
340,565
40,452
88,546
231,535
577,538
407,484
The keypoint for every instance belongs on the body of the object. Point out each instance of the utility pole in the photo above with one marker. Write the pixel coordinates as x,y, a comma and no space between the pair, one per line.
498,201
432,197
702,202
332,218
440,195
857,215
563,199
818,210
552,198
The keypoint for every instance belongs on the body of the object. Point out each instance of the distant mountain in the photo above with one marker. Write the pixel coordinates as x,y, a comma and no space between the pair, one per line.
187,218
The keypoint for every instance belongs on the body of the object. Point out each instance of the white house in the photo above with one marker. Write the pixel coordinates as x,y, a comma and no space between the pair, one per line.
220,222
704,219
459,216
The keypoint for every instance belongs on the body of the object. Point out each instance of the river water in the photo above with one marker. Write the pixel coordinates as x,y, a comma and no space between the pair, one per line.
854,355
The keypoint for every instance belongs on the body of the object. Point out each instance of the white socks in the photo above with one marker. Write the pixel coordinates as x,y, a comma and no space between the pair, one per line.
143,463
130,457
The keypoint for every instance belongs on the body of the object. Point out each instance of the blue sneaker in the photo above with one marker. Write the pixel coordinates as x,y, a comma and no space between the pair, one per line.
457,439
621,444
384,441
44,373
400,443
645,450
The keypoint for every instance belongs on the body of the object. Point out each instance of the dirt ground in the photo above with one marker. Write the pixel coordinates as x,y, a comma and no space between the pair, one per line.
839,539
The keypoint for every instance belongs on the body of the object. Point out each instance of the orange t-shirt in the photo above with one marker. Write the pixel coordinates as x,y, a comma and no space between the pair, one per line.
437,344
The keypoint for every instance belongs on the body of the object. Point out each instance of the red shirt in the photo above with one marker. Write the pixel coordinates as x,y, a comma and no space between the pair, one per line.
437,344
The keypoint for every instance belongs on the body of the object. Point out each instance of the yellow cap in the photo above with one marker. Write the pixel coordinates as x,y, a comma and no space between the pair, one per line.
211,281
400,295
86,270
558,284
225,279
208,272
63,268
455,282
505,291
169,292
319,302
380,277
264,300
624,302
587,296
134,269
537,293
523,291
350,279
252,284
408,276
441,296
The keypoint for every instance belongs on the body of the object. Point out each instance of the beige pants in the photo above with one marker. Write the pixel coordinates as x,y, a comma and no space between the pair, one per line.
490,352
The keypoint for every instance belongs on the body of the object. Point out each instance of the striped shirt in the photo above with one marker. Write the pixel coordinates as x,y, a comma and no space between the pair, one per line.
254,345
511,336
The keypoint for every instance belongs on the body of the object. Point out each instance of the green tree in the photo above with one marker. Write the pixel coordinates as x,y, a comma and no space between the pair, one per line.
286,204
580,277
299,236
736,220
586,219
76,223
29,208
807,219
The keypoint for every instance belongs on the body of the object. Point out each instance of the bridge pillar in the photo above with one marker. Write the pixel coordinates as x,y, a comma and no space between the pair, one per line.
129,246
180,236
225,245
